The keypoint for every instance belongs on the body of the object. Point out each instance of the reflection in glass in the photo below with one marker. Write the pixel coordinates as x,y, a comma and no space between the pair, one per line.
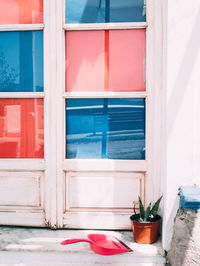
101,11
105,128
21,61
21,128
21,11
106,60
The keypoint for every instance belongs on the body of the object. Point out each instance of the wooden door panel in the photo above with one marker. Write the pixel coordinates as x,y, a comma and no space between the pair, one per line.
22,198
91,198
103,190
20,189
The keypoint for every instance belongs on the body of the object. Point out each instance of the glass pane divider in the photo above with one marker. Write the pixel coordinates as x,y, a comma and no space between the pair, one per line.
105,165
106,26
106,95
21,95
21,27
22,164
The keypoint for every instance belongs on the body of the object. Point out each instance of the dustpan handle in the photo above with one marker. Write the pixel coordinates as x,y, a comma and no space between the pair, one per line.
75,240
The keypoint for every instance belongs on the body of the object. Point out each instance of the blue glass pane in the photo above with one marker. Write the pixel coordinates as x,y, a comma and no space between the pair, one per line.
101,11
21,61
105,128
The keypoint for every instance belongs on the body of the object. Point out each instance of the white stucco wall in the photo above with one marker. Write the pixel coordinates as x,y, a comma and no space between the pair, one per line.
181,104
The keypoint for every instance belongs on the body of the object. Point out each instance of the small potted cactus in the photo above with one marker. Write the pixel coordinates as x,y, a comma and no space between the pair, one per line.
146,223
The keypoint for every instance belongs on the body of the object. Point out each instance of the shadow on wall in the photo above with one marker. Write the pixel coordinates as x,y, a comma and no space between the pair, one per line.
170,222
184,74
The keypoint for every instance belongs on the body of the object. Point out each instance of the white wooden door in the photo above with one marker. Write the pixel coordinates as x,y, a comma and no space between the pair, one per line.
27,169
97,191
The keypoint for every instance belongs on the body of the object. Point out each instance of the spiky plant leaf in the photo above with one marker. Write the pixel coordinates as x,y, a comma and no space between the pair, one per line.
134,209
155,207
141,206
147,213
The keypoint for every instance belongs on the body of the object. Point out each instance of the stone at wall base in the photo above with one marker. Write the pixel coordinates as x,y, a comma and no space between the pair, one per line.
185,245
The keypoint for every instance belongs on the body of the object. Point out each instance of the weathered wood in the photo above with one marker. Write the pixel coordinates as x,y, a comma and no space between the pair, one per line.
20,189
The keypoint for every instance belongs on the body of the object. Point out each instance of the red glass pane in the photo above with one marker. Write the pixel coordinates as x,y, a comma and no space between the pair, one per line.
127,54
106,60
85,61
21,11
21,128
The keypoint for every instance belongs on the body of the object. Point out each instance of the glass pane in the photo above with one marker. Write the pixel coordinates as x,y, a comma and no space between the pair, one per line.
21,61
21,128
101,11
21,11
105,128
106,60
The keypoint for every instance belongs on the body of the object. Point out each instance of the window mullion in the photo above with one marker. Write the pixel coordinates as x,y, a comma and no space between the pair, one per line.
21,27
69,95
106,26
60,121
21,95
50,109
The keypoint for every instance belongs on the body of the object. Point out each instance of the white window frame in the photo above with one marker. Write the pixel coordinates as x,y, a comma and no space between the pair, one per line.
70,164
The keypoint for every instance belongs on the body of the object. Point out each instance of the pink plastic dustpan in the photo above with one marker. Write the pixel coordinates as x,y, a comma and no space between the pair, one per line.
102,244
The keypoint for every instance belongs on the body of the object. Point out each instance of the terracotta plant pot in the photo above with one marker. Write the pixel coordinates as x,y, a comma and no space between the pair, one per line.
145,233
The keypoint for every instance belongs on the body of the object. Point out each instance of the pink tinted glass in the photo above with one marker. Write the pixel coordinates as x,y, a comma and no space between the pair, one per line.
106,60
21,11
21,128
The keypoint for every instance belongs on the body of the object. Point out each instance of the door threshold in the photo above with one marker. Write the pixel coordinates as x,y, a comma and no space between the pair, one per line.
34,243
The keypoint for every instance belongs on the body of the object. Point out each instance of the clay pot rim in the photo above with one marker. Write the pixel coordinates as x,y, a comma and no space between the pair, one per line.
135,218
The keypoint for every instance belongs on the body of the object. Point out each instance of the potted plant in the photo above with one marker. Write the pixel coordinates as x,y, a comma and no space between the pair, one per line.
146,223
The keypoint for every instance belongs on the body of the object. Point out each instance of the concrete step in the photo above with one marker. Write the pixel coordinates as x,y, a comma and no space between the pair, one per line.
17,258
36,246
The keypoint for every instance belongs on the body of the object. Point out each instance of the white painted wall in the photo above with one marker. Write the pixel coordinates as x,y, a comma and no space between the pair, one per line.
181,104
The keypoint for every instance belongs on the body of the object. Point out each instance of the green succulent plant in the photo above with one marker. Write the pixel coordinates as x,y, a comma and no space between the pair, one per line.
151,211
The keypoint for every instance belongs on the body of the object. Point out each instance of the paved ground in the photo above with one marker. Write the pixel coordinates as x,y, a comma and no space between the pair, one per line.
36,246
